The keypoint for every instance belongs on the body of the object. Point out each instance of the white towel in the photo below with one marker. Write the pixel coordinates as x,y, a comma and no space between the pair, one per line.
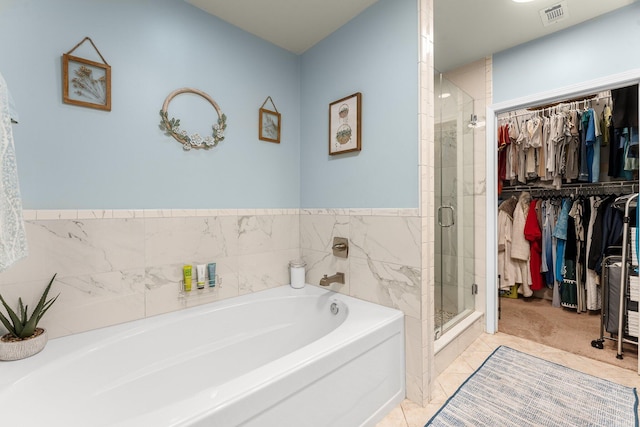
13,239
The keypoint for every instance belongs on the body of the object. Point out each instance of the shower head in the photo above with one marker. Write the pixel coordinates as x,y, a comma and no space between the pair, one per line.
474,123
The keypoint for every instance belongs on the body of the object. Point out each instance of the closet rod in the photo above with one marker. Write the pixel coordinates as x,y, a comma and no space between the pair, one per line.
589,189
533,110
582,99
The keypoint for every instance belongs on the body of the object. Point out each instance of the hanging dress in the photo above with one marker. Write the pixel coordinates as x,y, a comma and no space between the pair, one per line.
533,234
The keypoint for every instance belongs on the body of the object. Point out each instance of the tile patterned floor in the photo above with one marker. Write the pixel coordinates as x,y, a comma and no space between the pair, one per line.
409,414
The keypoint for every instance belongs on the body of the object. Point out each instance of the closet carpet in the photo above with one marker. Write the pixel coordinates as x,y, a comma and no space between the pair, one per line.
536,320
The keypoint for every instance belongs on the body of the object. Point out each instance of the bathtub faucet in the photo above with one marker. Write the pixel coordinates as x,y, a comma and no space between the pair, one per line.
336,278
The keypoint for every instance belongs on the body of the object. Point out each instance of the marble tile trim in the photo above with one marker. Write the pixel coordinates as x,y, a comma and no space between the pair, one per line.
363,212
52,214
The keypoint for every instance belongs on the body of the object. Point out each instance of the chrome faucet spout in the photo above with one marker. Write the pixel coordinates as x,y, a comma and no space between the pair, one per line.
336,278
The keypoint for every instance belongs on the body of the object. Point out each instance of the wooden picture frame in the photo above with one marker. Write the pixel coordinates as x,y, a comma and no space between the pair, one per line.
269,125
86,83
345,117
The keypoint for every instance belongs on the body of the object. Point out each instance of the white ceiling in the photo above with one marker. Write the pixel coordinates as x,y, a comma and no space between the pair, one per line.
294,25
464,30
460,37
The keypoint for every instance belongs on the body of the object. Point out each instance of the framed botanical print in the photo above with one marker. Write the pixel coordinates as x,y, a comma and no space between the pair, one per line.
345,124
86,83
269,126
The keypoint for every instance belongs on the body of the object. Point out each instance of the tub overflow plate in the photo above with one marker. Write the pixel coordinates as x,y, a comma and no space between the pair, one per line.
334,308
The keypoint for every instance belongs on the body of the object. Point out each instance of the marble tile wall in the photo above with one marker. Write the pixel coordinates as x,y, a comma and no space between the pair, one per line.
118,266
383,266
419,383
476,79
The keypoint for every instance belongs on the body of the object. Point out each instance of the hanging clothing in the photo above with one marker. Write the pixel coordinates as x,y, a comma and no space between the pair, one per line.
594,299
557,242
607,232
13,239
573,146
631,155
503,142
597,238
618,149
543,151
597,143
548,220
560,233
534,142
577,213
612,227
586,146
506,267
533,234
522,145
605,124
520,248
625,106
512,151
569,287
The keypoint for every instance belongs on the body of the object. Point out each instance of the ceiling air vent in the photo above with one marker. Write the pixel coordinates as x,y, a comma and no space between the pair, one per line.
552,14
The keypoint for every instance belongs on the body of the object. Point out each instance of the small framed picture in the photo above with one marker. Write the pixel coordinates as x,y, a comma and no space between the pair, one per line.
269,126
86,83
344,124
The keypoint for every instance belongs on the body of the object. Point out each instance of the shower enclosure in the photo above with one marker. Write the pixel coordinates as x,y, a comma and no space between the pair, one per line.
454,204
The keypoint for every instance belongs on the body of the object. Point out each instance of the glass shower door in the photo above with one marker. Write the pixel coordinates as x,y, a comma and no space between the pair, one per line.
454,204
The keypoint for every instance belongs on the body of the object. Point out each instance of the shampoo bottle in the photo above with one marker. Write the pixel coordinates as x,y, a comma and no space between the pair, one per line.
212,274
200,269
186,272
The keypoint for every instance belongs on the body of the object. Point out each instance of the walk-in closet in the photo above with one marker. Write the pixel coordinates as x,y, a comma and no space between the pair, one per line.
567,259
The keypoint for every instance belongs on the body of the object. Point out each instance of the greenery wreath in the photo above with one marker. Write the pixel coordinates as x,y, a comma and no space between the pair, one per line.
171,127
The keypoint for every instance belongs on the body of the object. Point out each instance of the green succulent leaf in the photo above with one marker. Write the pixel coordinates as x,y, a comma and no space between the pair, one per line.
8,325
24,326
15,320
23,311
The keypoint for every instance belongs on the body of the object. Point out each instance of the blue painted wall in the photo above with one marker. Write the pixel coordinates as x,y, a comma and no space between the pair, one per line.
597,48
376,54
72,157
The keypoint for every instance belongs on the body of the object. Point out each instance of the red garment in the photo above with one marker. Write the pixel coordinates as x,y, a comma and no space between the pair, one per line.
533,234
503,141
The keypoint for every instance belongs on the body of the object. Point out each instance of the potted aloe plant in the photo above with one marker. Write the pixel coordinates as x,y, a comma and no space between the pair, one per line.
24,338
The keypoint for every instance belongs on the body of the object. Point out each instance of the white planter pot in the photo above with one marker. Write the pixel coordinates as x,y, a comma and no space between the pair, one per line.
16,350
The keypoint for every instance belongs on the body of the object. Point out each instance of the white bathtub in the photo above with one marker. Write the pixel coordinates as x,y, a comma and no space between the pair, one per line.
272,358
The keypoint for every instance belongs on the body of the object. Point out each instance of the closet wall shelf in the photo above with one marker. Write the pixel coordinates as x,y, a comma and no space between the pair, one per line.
577,189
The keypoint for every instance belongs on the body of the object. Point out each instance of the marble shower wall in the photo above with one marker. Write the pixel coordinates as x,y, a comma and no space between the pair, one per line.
383,266
118,266
476,79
